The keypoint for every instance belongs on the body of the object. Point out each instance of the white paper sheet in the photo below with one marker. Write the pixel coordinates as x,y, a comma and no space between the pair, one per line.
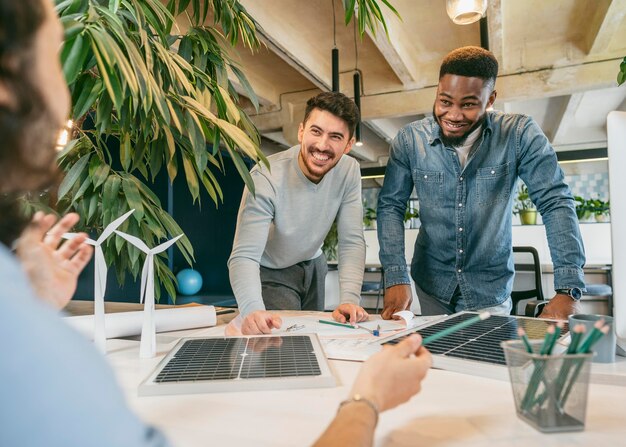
100,279
344,343
127,324
408,319
147,347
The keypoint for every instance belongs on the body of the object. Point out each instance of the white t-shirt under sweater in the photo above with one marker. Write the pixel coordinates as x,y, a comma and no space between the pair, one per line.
288,220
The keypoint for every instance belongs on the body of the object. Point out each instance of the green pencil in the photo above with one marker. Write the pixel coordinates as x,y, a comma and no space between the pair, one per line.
522,334
547,340
588,343
555,336
456,327
334,323
575,336
592,337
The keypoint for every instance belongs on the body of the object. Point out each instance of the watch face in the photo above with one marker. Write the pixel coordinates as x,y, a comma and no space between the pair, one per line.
576,293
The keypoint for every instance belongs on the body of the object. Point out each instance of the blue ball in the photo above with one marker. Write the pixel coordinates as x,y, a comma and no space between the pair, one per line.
189,282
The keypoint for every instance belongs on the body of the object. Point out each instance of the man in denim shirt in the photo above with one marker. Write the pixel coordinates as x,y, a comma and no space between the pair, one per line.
464,163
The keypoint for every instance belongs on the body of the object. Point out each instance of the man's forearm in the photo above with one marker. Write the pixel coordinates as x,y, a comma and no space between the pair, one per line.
245,281
391,241
566,247
351,268
353,426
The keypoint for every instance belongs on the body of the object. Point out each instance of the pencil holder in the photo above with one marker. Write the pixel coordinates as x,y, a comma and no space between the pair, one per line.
550,391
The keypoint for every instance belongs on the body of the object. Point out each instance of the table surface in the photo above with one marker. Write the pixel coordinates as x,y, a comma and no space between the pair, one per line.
452,409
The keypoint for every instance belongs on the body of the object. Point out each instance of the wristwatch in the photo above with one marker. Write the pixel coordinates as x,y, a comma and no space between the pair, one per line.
574,293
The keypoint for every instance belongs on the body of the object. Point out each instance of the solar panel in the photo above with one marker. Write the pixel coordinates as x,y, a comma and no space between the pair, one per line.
478,343
219,364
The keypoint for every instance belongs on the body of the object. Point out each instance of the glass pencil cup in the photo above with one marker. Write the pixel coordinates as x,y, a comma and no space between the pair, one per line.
550,391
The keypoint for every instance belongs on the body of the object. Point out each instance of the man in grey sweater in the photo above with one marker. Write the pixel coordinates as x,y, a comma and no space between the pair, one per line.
277,260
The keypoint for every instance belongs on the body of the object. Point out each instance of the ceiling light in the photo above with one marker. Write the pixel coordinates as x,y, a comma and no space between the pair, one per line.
64,136
358,143
464,12
586,160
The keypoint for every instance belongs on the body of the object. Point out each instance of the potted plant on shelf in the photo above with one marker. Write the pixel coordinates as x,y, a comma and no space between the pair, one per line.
583,208
525,207
600,209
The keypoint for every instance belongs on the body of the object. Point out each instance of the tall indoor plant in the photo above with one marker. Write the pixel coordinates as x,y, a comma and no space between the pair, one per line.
150,90
146,96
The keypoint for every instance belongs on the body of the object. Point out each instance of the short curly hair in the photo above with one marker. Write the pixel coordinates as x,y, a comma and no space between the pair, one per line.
473,62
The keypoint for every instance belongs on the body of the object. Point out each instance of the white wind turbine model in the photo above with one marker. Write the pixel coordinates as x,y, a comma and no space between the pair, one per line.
100,279
147,347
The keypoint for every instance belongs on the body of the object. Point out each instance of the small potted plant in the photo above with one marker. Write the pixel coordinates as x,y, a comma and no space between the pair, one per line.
525,207
583,208
599,209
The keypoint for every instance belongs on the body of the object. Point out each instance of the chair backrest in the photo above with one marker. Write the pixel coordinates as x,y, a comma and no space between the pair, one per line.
526,260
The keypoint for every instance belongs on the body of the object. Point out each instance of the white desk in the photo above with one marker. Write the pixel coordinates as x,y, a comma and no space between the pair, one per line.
452,410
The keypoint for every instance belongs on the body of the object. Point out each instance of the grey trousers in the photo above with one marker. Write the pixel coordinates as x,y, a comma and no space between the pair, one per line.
298,287
430,305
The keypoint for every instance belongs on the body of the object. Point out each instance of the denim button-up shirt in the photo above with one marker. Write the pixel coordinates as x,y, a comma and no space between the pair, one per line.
466,234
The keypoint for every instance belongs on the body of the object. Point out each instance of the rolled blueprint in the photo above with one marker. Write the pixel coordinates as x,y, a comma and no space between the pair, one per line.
126,324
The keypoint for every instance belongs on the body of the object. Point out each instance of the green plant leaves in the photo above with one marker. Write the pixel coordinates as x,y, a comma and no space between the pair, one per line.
100,172
621,75
154,102
151,98
369,14
73,56
88,89
523,201
133,198
72,176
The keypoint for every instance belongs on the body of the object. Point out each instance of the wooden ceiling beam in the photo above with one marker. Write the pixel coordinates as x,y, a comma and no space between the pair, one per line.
494,21
535,84
397,49
294,48
604,23
561,118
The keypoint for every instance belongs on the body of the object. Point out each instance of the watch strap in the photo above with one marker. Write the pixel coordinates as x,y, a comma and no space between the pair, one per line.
572,293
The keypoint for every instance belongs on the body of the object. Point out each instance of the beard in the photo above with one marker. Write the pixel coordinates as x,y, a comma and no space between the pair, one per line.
458,141
308,164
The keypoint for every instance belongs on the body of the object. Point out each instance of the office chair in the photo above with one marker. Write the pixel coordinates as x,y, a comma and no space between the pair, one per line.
375,287
525,294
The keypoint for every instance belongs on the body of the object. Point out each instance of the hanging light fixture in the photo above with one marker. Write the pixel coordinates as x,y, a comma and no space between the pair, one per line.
357,101
484,33
357,86
464,12
335,56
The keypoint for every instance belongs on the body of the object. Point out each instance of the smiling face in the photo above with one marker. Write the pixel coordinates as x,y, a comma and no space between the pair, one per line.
461,105
323,139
